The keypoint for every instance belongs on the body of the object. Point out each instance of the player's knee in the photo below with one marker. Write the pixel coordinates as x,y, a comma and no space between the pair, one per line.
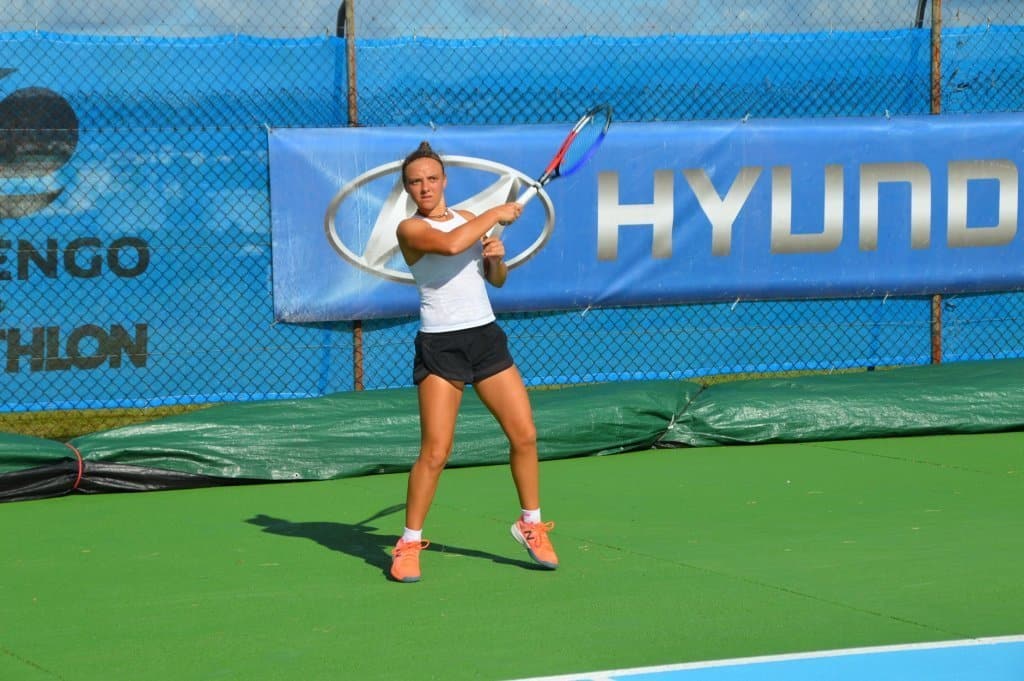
434,457
524,438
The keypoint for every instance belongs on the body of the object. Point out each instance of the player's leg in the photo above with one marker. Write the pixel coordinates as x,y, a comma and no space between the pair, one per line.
439,401
505,396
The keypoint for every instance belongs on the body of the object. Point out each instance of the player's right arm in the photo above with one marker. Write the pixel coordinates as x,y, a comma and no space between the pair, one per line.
416,237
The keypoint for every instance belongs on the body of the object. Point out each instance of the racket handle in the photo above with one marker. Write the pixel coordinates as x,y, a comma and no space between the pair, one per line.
525,197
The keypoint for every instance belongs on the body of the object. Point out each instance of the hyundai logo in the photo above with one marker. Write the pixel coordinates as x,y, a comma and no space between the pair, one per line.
380,248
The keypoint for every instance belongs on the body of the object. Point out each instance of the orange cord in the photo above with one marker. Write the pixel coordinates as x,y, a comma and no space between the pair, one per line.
81,466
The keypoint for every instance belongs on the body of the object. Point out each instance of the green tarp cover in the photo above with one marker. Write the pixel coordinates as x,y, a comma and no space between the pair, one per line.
358,433
966,397
350,434
19,452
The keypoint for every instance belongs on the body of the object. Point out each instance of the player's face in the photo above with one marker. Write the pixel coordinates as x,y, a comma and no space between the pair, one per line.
425,182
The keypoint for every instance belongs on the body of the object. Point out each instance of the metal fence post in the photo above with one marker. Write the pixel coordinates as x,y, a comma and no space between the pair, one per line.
936,108
347,29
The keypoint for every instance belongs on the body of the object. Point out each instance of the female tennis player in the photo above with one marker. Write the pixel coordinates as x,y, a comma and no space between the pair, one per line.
459,342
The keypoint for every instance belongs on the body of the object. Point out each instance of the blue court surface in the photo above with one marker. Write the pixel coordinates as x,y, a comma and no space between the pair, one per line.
983,659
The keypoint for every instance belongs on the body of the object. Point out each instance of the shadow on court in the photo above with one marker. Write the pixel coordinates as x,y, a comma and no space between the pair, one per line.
362,540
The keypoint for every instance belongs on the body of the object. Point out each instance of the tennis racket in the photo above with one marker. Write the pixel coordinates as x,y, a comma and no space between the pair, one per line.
577,148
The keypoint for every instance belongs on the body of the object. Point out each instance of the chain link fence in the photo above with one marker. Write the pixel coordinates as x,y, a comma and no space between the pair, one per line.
134,199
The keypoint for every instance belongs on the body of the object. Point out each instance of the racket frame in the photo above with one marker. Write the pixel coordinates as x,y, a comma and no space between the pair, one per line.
554,168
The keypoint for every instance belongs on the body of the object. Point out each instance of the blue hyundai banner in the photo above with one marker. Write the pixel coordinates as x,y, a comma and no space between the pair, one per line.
664,213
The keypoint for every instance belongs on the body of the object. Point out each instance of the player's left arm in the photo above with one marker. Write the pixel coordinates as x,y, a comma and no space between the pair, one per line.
495,269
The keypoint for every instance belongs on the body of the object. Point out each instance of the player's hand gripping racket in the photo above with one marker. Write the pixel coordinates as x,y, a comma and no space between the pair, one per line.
577,148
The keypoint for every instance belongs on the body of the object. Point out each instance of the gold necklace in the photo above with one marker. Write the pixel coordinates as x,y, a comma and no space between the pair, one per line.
442,216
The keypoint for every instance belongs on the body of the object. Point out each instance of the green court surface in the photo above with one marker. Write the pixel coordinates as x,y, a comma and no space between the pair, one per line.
668,556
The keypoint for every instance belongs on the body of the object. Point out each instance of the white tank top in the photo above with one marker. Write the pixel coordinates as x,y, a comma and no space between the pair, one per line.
453,291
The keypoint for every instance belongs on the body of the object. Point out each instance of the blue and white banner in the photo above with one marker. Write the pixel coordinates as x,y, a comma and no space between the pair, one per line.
664,213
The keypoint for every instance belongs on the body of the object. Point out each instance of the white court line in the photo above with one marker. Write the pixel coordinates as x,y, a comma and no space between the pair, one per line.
788,657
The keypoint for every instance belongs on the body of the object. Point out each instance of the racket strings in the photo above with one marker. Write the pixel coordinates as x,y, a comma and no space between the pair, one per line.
582,143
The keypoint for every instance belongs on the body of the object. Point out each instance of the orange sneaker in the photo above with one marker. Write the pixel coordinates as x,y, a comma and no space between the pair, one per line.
405,560
534,536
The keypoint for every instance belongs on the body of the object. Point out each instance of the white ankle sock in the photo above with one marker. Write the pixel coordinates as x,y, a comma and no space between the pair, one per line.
531,516
412,535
